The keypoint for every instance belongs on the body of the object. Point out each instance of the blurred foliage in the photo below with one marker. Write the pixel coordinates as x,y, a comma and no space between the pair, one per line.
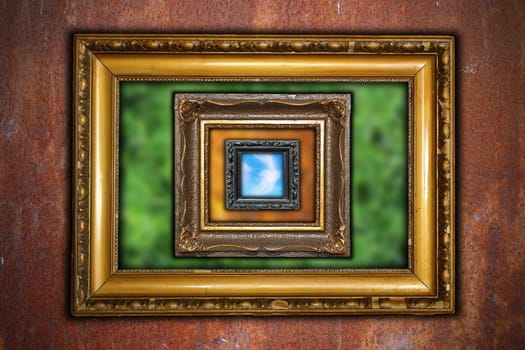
379,175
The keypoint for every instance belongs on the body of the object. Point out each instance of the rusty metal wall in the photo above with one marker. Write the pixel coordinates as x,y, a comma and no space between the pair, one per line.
35,148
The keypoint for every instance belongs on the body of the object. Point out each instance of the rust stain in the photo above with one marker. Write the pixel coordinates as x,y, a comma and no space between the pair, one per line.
35,145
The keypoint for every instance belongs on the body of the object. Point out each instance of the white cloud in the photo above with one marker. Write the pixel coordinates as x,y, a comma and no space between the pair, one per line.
245,170
268,176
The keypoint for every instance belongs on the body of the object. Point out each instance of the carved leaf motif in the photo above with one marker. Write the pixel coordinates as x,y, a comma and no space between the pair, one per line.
189,111
335,243
189,241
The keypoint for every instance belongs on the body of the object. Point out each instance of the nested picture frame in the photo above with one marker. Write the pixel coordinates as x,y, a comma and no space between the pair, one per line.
241,196
101,286
311,218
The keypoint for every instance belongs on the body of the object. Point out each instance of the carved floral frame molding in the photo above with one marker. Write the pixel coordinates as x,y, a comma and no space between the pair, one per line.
100,288
327,233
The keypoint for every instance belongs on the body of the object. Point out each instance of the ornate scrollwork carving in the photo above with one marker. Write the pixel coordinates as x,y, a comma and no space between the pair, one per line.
335,110
189,241
400,46
445,158
189,111
335,243
147,306
217,45
82,173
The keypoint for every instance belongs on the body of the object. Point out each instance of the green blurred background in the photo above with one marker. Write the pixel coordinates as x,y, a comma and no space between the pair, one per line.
379,175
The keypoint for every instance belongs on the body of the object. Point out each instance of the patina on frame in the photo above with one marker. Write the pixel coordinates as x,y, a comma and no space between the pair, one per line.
98,286
197,116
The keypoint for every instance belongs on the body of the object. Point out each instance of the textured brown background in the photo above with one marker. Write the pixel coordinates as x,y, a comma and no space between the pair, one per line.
35,145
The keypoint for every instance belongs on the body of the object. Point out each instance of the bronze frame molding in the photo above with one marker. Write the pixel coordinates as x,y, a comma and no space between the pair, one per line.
197,114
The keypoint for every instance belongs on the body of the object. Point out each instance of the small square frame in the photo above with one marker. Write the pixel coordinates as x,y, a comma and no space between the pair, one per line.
289,150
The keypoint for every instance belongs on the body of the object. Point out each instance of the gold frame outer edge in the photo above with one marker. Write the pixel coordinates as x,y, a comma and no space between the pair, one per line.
100,289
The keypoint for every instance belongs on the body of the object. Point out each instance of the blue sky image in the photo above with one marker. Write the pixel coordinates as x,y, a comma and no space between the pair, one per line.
262,174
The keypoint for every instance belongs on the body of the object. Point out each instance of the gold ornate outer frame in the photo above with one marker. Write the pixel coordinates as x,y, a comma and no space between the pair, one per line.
100,288
327,114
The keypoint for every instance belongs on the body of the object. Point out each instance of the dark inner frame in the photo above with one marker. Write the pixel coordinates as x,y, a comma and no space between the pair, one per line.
291,175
